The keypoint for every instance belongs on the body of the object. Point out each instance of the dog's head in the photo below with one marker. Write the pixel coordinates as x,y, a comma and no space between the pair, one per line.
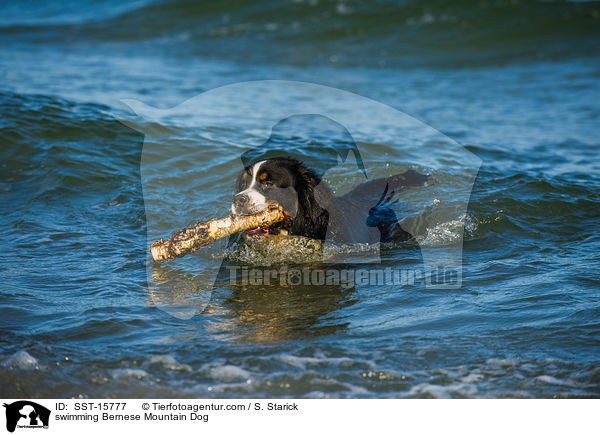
286,181
264,182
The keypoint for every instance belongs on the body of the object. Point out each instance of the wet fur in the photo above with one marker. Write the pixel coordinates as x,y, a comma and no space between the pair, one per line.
359,216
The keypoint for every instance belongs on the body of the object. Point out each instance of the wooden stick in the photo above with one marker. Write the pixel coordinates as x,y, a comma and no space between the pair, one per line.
186,241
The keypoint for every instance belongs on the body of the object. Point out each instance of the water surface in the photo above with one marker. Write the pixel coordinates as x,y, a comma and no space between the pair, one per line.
517,84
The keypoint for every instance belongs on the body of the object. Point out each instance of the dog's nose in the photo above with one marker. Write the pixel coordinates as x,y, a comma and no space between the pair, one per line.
240,200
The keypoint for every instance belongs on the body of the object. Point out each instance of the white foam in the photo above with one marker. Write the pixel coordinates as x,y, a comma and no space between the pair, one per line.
472,378
303,361
129,373
21,360
247,386
170,363
297,361
229,373
552,380
443,391
448,232
503,362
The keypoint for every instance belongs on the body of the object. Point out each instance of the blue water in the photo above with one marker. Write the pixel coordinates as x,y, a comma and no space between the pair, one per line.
516,84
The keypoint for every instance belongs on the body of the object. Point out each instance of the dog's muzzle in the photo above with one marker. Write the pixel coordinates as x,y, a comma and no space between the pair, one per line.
247,203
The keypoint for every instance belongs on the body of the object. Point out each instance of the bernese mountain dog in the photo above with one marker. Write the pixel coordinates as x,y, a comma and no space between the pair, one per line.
363,215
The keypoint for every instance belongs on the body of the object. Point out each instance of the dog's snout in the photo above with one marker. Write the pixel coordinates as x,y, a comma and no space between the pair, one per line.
247,202
240,200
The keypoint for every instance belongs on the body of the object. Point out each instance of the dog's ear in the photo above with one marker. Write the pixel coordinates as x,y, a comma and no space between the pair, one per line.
311,219
304,184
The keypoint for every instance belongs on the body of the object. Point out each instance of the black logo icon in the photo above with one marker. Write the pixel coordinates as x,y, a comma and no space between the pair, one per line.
26,414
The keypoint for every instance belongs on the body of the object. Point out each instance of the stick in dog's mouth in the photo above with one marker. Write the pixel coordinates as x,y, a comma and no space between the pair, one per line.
186,241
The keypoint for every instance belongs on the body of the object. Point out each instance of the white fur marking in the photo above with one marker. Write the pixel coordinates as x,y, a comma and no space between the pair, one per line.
255,198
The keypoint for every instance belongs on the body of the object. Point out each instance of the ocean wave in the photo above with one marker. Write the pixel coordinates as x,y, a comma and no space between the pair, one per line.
335,31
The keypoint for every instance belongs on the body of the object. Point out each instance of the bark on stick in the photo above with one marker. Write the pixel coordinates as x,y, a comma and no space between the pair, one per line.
186,241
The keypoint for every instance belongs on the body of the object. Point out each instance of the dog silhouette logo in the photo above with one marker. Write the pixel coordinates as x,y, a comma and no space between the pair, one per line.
26,414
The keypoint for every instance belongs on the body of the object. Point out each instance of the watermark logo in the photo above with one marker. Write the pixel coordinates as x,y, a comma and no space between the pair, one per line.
25,414
194,153
343,277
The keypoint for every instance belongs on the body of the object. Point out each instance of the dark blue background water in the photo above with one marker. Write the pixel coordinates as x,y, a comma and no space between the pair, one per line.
517,83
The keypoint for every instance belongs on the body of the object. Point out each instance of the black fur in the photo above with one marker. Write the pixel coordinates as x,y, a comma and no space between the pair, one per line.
362,215
311,217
